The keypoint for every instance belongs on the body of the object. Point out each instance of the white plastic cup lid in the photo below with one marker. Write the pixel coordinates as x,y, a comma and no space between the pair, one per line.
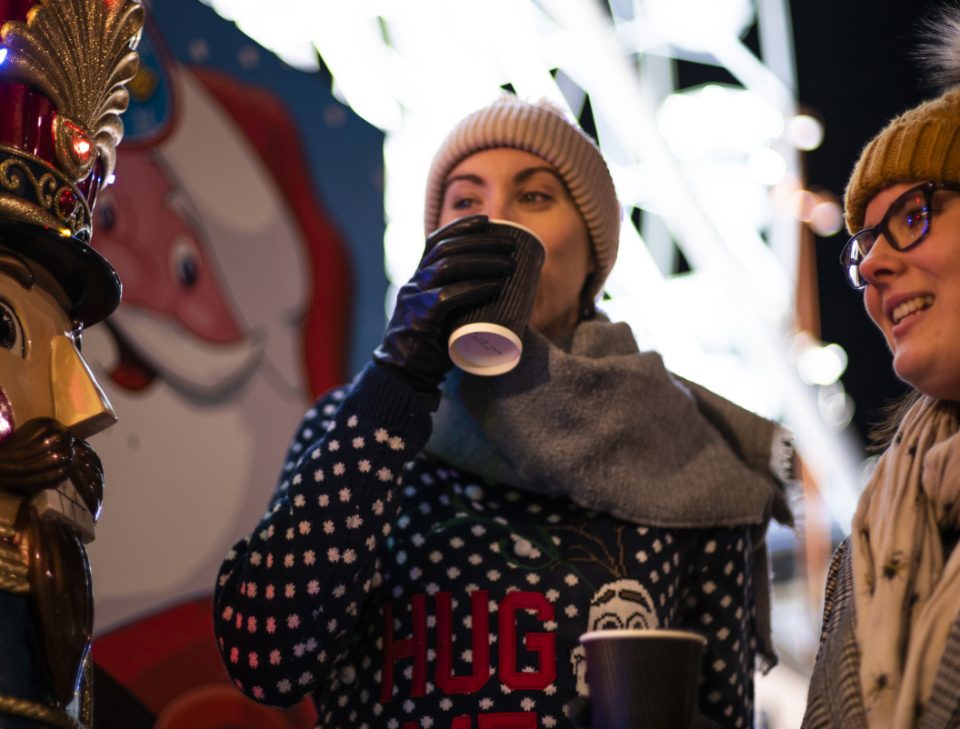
484,348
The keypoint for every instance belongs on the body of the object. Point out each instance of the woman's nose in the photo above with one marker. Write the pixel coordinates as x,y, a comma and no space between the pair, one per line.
882,261
496,208
495,213
78,401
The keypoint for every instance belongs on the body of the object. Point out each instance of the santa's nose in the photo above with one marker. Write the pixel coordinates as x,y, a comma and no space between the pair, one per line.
78,401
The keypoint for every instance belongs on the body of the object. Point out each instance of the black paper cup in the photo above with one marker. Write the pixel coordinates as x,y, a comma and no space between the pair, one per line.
643,679
488,341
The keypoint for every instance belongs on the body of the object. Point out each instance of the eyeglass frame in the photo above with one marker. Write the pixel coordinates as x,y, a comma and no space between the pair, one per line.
928,188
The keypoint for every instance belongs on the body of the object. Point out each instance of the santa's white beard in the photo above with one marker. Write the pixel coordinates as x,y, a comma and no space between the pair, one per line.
183,483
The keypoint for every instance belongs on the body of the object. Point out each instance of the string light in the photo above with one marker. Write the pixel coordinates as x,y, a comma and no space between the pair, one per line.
714,172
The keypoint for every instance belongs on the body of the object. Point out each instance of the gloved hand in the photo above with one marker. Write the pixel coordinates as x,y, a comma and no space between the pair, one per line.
464,268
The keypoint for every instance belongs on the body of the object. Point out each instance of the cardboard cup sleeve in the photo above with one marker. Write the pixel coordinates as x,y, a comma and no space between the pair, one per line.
488,341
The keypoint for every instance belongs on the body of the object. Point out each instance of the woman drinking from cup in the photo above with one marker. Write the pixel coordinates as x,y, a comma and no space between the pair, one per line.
890,647
439,540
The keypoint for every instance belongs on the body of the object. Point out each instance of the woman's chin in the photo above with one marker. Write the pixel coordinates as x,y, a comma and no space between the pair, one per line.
906,371
941,385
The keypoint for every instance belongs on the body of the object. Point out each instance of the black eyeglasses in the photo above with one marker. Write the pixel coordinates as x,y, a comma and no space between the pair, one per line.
905,225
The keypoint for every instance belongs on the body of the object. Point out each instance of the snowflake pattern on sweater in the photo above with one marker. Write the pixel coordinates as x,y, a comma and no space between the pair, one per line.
402,593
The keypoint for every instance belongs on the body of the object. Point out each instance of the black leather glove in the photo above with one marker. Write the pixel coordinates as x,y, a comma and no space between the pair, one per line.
465,267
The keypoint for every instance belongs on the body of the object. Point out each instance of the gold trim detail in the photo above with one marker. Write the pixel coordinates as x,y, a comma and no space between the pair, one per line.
80,54
43,202
86,692
13,584
12,173
14,573
39,712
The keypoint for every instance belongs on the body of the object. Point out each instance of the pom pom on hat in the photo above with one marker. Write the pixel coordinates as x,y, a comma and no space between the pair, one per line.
542,129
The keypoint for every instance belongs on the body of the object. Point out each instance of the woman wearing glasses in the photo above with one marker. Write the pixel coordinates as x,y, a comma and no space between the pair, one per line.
890,646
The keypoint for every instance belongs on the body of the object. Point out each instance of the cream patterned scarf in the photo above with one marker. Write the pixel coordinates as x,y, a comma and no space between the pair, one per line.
906,596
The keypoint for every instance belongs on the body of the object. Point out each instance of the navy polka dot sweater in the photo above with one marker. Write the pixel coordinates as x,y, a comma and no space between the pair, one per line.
402,593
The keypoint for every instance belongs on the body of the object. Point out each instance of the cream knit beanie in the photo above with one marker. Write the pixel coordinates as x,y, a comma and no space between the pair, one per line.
544,130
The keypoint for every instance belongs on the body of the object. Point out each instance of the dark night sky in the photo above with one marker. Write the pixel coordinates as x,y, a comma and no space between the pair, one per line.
855,72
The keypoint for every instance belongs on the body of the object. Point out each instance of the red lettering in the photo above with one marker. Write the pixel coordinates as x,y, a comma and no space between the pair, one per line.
414,647
480,644
508,720
502,720
544,644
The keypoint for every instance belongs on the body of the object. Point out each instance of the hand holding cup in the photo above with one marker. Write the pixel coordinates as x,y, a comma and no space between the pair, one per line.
465,265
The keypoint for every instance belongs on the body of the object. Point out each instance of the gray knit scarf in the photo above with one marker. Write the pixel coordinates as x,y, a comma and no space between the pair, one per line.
595,420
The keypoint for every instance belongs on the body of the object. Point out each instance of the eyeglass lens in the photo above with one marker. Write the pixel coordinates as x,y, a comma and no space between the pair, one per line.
906,222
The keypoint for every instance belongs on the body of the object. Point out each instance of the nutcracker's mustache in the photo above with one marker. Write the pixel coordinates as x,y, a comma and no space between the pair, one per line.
41,454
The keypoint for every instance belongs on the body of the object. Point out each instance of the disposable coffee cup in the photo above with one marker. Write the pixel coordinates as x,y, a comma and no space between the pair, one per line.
643,679
488,341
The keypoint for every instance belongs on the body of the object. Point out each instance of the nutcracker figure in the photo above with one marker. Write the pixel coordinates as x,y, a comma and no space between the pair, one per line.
64,65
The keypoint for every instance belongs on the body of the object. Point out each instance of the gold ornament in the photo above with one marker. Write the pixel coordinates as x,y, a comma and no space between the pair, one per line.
80,54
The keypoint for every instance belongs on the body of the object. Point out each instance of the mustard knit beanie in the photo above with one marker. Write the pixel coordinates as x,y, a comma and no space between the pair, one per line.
920,145
542,129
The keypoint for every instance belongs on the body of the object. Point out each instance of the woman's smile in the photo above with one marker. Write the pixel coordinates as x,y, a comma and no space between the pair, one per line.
910,307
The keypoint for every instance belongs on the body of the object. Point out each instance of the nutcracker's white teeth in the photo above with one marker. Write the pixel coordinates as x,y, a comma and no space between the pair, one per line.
911,307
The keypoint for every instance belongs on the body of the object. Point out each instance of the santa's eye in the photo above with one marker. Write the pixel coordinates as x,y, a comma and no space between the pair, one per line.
106,214
185,264
11,331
